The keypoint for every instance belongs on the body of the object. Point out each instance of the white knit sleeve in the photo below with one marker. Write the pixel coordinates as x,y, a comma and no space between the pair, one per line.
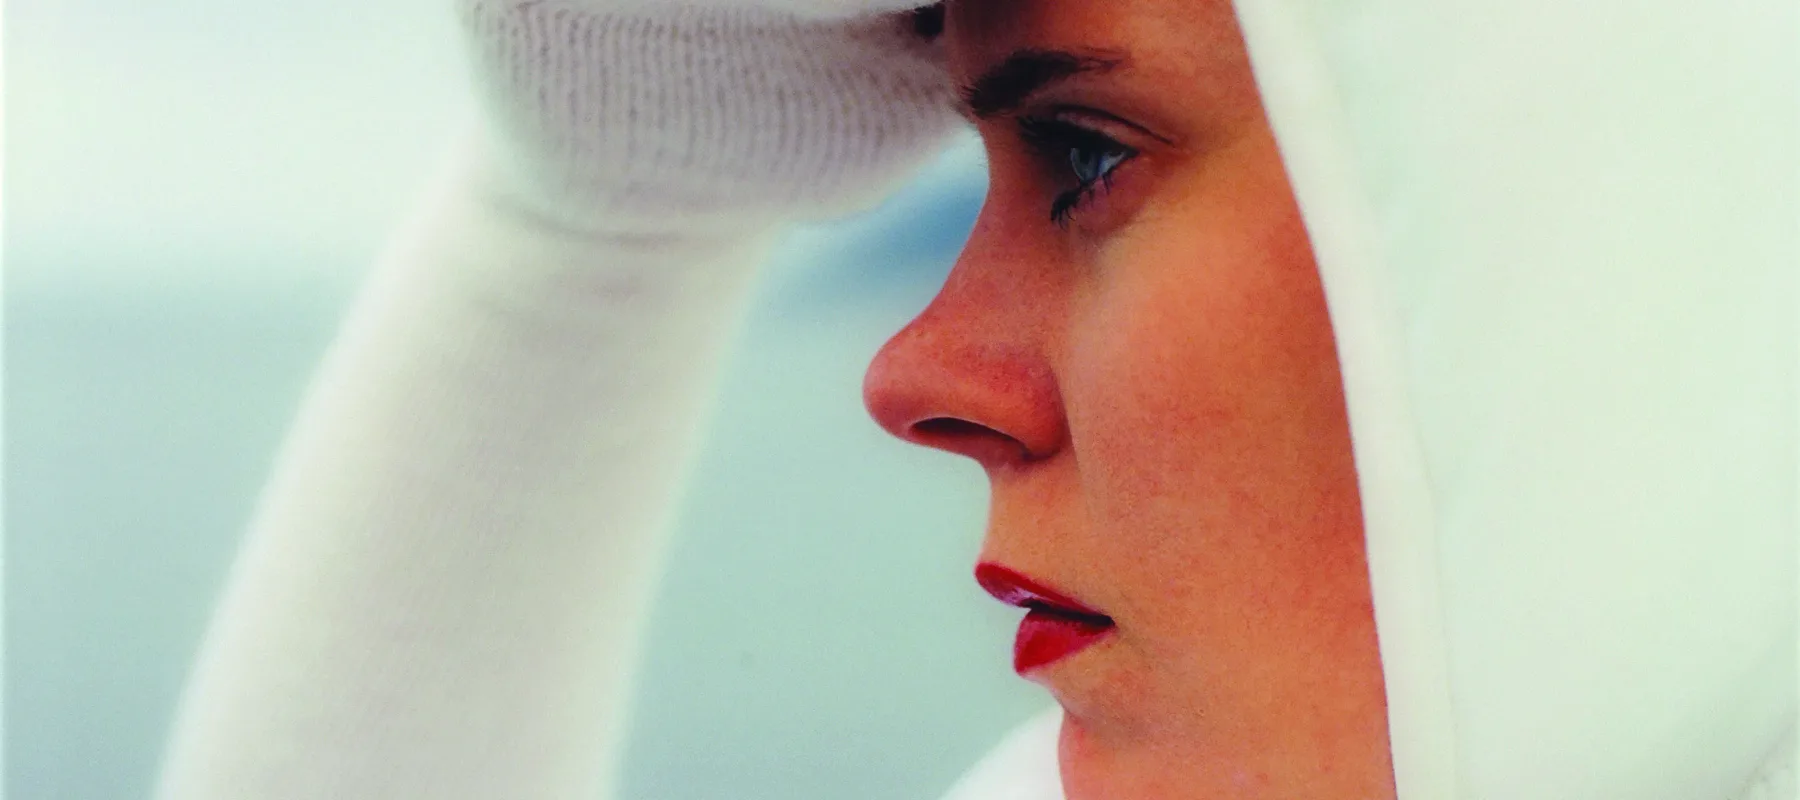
441,590
441,593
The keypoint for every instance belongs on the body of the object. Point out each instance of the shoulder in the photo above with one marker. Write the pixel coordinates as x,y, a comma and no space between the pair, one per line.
1021,767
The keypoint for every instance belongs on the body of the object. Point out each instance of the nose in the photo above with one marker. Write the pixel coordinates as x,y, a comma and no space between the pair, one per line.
957,381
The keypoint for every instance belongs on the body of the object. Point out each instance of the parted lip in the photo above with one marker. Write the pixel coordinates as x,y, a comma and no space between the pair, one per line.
1015,589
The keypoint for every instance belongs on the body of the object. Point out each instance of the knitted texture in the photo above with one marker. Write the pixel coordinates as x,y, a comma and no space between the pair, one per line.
633,118
805,9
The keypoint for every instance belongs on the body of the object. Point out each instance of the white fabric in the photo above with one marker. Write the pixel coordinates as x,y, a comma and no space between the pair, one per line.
687,117
1558,241
1559,249
1021,767
441,592
1776,780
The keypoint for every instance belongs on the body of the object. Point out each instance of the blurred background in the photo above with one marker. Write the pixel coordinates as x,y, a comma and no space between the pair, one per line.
195,188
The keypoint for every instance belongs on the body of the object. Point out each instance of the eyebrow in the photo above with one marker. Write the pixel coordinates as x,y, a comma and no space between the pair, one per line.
1025,72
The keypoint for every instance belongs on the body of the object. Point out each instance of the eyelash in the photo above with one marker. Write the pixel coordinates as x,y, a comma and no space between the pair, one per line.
1058,141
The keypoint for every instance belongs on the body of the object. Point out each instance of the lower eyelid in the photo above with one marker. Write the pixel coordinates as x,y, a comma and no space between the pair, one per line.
1103,204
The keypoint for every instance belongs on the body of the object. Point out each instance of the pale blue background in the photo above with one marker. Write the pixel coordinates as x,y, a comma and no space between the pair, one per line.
193,189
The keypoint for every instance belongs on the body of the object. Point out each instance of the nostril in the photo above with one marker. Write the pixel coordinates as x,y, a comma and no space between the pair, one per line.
980,442
940,428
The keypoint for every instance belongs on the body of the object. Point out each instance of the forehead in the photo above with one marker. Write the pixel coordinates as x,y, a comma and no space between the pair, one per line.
1176,38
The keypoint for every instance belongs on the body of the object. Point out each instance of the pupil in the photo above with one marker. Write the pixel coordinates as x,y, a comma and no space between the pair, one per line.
1092,163
1085,162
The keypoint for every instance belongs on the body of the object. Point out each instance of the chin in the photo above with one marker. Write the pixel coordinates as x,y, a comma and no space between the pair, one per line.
1097,768
1112,693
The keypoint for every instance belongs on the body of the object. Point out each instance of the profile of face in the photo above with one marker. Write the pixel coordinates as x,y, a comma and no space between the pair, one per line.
1134,345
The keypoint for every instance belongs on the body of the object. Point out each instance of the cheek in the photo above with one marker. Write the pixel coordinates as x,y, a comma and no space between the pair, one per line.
1166,355
1204,408
1201,340
1152,423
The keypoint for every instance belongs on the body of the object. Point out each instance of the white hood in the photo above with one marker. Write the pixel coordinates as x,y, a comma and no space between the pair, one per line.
1559,243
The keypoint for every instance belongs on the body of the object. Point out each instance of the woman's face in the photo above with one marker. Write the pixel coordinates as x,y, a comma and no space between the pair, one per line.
1134,345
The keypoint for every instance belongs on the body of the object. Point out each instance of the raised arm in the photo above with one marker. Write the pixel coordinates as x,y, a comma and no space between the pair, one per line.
441,593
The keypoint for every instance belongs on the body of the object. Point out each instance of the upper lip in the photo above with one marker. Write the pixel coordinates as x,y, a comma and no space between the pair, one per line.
1015,589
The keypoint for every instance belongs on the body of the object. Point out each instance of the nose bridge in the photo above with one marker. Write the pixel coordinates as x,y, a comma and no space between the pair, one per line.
971,373
998,290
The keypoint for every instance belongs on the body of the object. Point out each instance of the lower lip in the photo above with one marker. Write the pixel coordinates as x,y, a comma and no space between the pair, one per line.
1046,637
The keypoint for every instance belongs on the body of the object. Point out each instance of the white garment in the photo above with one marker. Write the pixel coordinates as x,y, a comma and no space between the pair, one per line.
1021,767
696,117
1558,245
442,590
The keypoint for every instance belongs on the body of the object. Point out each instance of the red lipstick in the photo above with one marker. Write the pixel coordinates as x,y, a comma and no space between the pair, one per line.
1056,626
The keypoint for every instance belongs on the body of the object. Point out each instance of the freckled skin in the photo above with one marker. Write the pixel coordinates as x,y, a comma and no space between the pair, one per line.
1154,394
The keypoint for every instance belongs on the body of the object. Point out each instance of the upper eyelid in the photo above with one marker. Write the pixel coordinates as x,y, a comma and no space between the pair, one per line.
1113,125
1047,136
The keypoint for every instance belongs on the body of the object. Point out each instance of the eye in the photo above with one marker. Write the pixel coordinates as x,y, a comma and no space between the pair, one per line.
1089,156
1091,164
